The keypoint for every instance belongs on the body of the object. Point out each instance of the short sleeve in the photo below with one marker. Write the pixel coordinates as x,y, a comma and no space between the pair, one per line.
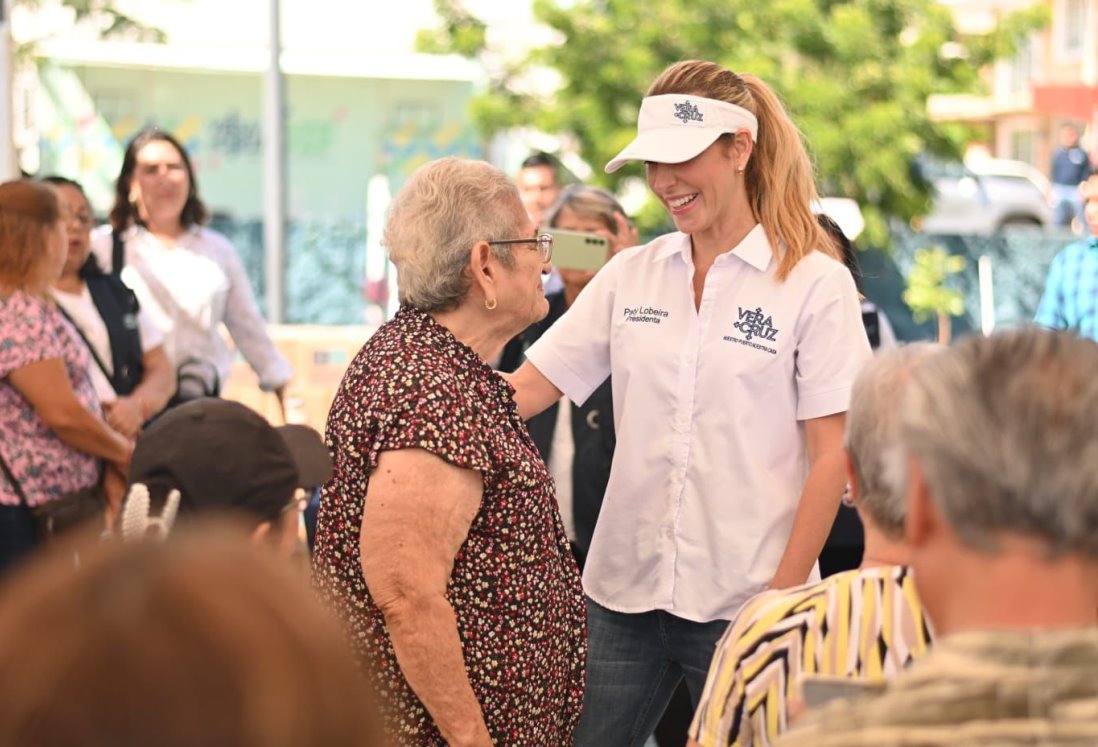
26,333
832,345
434,416
574,353
1050,311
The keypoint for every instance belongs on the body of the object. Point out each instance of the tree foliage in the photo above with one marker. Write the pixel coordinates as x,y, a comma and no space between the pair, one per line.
461,32
108,20
931,288
854,74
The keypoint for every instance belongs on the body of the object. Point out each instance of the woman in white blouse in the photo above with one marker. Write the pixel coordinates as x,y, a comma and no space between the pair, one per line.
128,368
188,278
732,343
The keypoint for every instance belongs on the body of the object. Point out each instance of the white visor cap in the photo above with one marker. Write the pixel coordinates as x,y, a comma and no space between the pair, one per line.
675,127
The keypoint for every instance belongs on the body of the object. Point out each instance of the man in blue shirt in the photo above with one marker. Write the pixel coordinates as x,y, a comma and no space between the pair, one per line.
1070,168
1070,300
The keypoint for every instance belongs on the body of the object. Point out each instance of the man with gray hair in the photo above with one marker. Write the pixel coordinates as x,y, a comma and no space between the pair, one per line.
863,625
999,439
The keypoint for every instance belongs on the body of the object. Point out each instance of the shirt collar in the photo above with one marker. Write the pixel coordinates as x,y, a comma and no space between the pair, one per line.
675,243
754,249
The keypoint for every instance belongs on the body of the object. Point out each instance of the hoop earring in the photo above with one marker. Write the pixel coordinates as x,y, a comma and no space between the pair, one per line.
739,170
847,498
490,305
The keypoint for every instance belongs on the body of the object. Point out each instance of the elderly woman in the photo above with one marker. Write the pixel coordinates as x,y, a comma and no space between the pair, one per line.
131,374
439,540
52,438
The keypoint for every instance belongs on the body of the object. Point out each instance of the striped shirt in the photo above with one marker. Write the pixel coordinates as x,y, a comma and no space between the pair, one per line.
989,689
1070,300
865,624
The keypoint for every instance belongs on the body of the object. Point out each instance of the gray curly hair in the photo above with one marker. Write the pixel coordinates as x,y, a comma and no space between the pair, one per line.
435,219
873,432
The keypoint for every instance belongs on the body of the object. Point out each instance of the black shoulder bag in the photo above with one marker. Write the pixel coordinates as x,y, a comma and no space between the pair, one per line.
62,515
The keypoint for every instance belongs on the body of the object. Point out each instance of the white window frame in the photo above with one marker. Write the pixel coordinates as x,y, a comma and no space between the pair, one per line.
1070,29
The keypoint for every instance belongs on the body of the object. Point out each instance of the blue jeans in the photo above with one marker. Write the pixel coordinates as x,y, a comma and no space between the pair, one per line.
17,539
1067,205
634,664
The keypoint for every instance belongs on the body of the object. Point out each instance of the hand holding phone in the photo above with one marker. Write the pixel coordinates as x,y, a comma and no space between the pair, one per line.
576,250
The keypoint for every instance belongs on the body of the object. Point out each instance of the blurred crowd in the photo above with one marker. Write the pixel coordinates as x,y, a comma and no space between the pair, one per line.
581,489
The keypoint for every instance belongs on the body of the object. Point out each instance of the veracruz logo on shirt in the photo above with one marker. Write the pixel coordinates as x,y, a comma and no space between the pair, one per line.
754,326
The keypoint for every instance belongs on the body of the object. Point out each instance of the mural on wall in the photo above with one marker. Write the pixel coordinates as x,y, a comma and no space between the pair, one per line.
408,146
210,141
75,141
342,137
78,141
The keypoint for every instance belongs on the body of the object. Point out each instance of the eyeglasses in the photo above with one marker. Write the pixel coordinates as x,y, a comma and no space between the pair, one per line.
298,503
81,219
544,244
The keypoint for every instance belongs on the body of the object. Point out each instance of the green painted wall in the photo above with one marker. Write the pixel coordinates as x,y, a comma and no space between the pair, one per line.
341,131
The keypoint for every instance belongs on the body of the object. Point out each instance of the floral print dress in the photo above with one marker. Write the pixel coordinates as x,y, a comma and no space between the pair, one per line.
515,587
33,330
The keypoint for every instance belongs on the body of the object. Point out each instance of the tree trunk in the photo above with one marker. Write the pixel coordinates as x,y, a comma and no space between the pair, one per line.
945,329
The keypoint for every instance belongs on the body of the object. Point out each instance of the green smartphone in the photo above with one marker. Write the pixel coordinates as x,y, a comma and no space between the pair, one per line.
575,250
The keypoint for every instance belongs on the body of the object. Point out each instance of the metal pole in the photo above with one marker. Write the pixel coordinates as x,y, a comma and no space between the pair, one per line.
274,171
9,167
987,294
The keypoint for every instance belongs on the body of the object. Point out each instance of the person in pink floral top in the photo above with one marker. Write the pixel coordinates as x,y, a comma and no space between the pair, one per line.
439,541
52,436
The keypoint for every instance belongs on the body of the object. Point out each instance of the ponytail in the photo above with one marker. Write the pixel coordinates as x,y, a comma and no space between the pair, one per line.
780,183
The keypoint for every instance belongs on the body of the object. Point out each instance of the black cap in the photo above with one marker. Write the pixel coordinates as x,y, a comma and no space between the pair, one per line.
221,455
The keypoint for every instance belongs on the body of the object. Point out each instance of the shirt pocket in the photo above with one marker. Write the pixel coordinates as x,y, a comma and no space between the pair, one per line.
755,346
644,337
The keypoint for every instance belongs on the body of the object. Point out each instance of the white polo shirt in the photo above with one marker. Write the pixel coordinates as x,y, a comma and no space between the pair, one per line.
711,457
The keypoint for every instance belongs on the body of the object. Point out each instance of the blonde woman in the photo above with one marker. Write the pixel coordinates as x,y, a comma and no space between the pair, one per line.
733,344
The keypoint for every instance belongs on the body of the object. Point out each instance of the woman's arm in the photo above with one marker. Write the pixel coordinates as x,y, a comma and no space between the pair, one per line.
417,515
127,414
46,386
249,330
158,384
533,392
819,500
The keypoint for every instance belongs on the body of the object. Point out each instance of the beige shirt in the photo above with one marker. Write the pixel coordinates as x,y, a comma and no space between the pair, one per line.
994,689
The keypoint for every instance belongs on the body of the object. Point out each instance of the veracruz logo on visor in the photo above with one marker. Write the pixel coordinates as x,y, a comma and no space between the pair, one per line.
688,112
